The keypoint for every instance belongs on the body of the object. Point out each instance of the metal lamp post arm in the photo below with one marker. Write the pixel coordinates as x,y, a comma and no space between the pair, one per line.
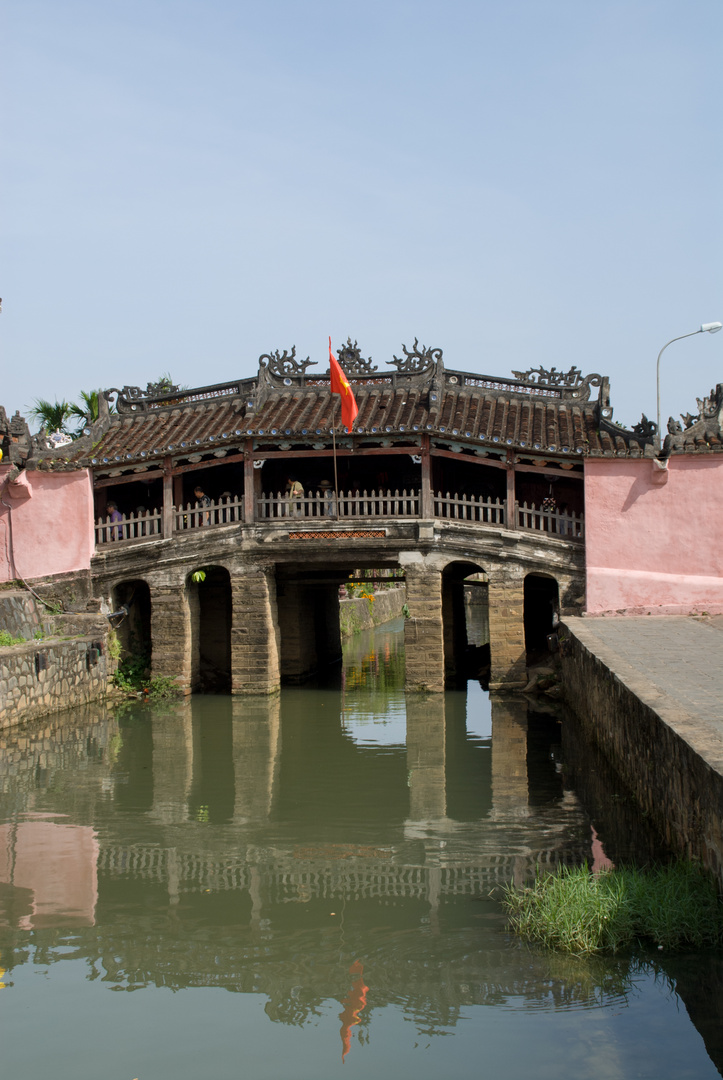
657,374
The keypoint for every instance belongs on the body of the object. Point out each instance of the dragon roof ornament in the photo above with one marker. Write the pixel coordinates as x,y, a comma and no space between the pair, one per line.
353,363
285,365
417,360
705,428
131,399
570,383
540,376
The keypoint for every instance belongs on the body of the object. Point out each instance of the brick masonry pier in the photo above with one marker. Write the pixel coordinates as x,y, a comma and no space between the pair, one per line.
649,691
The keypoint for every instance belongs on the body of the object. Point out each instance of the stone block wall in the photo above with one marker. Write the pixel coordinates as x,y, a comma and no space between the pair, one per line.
358,614
254,633
42,677
18,614
657,748
423,631
31,755
507,632
171,633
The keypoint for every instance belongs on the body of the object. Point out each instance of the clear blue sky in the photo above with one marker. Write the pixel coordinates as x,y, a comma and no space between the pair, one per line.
190,184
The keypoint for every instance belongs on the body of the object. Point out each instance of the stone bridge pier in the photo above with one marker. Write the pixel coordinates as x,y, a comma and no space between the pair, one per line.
255,634
230,621
435,636
259,618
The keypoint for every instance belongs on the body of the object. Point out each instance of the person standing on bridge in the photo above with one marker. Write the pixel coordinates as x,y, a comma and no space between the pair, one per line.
294,495
329,494
202,500
114,515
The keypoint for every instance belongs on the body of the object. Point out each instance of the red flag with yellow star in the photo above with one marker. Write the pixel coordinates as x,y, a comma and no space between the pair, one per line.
340,385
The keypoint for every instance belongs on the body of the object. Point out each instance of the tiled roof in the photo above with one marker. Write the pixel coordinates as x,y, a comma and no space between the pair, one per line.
306,415
176,431
534,413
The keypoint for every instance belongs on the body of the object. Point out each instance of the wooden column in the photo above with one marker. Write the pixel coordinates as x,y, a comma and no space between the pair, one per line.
249,492
178,491
167,496
511,506
427,507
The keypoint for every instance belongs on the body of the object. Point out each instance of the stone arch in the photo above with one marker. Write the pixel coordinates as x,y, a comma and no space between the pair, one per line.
134,629
462,658
210,608
541,605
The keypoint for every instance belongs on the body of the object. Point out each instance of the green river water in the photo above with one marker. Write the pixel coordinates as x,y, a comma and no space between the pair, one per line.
307,887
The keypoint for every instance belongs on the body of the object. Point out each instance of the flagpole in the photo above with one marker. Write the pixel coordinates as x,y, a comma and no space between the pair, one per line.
339,384
333,443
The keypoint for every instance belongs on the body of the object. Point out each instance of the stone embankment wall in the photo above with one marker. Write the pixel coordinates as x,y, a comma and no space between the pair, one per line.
19,614
42,677
359,614
31,755
66,664
656,747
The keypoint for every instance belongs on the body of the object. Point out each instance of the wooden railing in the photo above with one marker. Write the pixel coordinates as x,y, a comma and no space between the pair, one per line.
325,505
356,504
469,508
149,526
556,522
224,512
131,527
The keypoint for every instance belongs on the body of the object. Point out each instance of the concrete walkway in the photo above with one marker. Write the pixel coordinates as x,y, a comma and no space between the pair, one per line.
673,661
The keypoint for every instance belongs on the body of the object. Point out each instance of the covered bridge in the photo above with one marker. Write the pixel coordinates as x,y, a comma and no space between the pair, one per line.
447,476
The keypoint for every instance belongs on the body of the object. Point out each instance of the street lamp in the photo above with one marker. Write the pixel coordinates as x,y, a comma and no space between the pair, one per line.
706,328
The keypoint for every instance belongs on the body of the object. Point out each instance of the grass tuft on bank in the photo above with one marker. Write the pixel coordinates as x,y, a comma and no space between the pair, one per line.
673,906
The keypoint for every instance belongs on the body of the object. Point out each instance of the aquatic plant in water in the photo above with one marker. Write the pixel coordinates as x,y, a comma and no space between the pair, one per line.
672,906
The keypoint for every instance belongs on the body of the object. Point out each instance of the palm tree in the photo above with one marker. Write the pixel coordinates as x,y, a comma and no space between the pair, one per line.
52,416
86,411
62,415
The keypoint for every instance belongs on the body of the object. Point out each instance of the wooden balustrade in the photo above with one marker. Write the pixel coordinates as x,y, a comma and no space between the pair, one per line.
277,506
567,524
128,527
469,508
224,512
325,504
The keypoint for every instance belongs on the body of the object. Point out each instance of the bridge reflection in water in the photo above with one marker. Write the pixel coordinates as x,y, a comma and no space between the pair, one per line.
330,851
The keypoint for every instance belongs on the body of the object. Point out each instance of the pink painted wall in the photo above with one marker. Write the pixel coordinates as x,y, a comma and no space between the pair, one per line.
52,523
55,866
652,537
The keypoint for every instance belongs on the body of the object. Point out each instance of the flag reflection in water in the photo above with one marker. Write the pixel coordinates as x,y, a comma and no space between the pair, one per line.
353,1004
